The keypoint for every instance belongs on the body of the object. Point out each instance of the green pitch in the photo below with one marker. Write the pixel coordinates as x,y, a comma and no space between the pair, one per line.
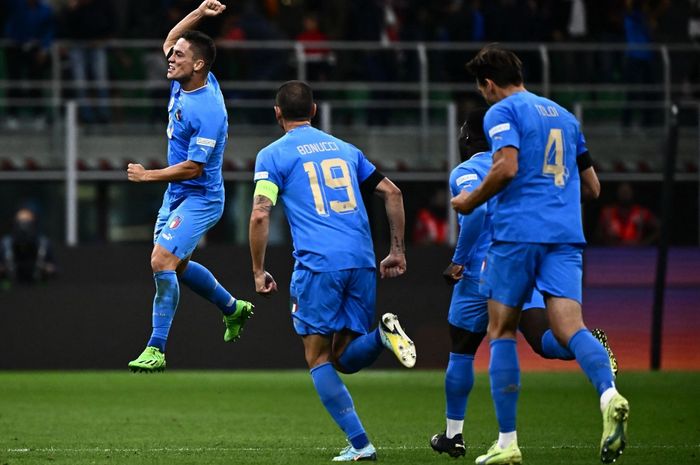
182,417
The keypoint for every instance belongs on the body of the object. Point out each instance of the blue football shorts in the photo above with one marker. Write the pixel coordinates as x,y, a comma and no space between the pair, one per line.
330,301
181,223
512,270
469,306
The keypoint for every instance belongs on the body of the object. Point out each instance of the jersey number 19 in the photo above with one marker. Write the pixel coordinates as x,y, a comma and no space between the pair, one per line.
336,175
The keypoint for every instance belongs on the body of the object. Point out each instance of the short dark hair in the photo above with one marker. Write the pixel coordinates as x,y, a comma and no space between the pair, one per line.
502,66
202,46
296,100
472,138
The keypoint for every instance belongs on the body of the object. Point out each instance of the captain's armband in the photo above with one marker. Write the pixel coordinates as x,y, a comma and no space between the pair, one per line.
267,189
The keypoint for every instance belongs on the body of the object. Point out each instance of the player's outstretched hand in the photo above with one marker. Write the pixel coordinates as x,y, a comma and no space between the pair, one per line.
453,273
459,203
392,266
265,284
135,172
211,8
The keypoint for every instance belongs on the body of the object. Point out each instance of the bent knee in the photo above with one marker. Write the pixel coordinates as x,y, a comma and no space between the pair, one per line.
162,260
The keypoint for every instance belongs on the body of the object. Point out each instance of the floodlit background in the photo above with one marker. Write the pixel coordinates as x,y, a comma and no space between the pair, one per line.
83,92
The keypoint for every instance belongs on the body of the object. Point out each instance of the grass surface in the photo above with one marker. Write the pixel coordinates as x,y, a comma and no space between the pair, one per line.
276,417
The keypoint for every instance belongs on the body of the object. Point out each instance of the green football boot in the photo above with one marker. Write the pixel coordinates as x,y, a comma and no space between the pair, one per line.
603,339
151,360
236,320
614,429
509,455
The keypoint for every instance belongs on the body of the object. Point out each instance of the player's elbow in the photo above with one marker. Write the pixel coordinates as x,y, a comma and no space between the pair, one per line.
594,190
508,171
394,193
194,170
259,218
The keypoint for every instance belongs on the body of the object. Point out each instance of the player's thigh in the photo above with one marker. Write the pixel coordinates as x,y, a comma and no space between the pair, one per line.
565,318
359,304
468,308
533,321
162,217
317,299
509,272
560,272
317,349
187,223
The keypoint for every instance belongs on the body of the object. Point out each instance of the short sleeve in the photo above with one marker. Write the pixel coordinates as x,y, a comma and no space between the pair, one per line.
581,147
266,169
464,178
501,128
364,167
205,131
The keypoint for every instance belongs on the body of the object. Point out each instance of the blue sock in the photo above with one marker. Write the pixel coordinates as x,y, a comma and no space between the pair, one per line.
552,349
164,306
201,281
361,352
459,379
338,403
593,359
504,372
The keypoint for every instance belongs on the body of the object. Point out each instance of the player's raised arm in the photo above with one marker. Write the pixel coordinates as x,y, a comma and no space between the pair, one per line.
206,9
395,263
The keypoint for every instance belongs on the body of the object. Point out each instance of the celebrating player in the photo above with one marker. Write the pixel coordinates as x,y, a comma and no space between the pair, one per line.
194,200
468,315
319,177
538,149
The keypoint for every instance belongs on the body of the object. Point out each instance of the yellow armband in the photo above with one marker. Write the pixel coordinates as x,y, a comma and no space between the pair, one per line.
267,189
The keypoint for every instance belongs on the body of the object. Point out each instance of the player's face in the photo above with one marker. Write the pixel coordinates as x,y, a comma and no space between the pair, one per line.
182,64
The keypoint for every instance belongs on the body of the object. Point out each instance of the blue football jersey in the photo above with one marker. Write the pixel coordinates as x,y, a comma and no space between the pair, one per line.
319,178
475,233
542,204
197,131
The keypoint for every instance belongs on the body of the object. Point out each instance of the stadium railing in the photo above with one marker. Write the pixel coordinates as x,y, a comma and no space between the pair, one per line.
413,140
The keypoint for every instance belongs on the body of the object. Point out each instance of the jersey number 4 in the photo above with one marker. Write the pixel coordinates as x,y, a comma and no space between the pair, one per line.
556,140
336,175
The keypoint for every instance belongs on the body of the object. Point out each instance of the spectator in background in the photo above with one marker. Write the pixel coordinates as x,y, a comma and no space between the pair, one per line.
91,22
26,255
319,59
640,22
431,221
30,30
627,223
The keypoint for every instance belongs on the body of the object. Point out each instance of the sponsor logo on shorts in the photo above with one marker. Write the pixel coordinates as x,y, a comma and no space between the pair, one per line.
167,237
499,128
294,307
175,222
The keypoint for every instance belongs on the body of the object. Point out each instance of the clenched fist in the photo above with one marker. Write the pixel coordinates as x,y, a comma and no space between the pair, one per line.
211,8
136,172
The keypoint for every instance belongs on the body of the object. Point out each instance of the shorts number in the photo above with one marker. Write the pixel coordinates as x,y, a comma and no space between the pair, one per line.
336,175
555,139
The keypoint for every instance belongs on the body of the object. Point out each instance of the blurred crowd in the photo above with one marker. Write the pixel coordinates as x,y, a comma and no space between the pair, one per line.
373,20
31,26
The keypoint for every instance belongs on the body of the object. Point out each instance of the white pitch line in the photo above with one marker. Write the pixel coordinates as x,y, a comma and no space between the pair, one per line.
261,449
